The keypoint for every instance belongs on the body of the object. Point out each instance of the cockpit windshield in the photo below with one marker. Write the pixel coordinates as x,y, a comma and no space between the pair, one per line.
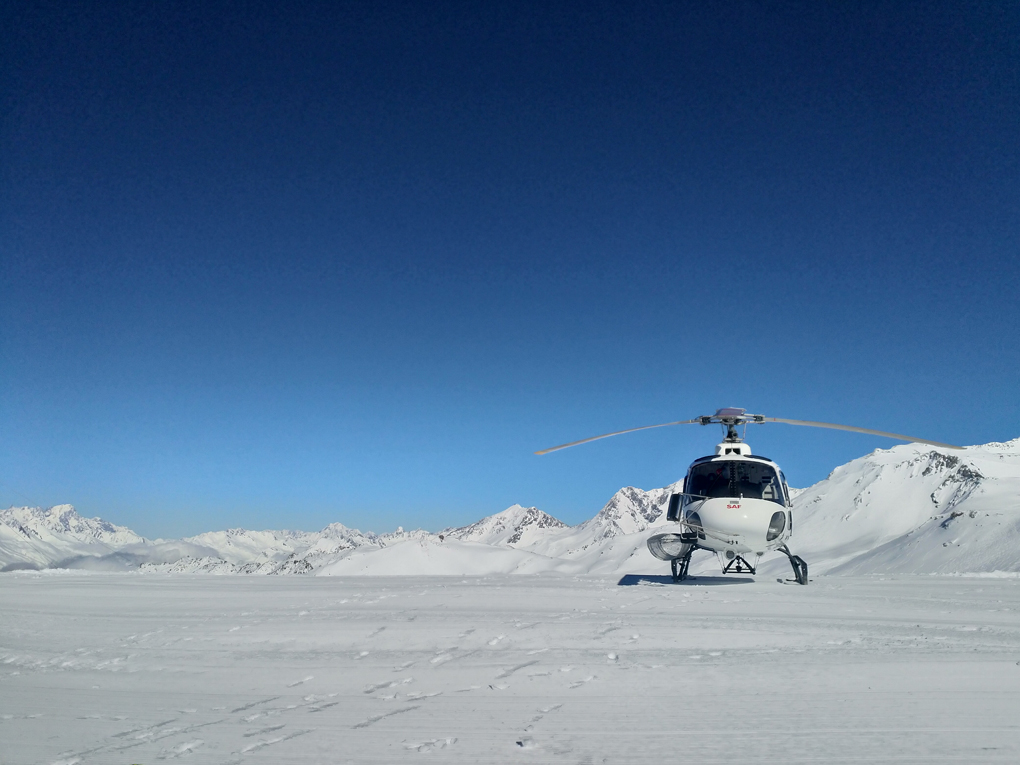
734,478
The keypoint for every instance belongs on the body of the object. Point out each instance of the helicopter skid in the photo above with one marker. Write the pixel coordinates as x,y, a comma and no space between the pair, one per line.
799,565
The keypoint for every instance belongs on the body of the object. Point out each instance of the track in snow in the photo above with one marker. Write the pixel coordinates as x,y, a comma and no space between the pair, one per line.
131,669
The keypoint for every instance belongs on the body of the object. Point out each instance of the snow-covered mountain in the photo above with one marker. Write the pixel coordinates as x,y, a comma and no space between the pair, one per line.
915,508
514,527
912,508
240,546
34,537
524,540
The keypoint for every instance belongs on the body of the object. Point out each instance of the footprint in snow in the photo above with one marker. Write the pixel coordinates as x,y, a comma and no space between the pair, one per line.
541,713
263,731
428,746
510,670
269,742
416,695
177,751
320,707
376,718
388,684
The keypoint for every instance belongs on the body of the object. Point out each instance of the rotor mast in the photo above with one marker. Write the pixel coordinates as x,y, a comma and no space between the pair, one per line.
730,418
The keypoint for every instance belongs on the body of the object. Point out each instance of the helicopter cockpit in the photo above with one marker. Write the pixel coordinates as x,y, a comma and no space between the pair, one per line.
748,479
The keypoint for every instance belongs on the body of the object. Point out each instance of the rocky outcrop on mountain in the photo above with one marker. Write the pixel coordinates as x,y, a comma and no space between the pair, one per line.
629,511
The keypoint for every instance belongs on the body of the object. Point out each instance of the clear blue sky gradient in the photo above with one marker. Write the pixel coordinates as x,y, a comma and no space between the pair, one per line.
275,266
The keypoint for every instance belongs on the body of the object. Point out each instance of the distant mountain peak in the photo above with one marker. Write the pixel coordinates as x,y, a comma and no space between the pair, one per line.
64,521
513,526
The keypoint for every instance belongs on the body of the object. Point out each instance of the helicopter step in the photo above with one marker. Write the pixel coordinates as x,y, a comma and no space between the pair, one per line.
799,565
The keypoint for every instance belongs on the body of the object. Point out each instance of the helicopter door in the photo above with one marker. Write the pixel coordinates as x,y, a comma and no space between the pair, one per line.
673,512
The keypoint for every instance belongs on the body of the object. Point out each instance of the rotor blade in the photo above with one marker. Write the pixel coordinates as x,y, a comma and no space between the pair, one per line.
851,428
617,433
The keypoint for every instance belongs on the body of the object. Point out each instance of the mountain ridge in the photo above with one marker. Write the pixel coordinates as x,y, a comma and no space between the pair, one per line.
912,508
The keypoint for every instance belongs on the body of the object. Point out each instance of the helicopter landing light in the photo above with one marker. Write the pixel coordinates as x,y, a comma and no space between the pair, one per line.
669,546
776,525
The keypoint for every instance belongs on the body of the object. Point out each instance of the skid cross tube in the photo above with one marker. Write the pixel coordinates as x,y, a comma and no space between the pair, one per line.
736,565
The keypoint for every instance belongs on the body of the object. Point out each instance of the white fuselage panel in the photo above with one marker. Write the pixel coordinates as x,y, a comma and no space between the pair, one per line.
737,524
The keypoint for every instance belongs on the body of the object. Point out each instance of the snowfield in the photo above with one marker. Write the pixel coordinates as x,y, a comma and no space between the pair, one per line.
121,668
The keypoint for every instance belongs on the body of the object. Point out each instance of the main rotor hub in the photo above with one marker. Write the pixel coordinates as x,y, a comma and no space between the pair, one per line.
730,418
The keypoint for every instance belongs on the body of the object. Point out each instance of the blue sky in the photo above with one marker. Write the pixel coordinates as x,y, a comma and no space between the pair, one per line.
277,267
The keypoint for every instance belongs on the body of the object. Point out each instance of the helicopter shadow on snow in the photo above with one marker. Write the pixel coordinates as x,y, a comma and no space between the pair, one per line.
630,580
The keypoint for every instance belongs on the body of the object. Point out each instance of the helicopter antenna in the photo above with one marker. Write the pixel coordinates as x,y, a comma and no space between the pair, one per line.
730,418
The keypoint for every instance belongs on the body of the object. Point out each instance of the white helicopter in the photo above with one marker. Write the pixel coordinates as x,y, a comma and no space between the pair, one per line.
733,503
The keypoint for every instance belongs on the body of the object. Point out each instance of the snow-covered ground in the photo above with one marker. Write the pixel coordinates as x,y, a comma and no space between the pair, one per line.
126,668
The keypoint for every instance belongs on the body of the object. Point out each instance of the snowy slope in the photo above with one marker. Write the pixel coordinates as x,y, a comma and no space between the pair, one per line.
915,508
240,546
610,543
630,511
432,556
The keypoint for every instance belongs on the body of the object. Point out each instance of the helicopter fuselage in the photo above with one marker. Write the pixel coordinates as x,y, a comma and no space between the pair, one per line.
736,501
733,503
